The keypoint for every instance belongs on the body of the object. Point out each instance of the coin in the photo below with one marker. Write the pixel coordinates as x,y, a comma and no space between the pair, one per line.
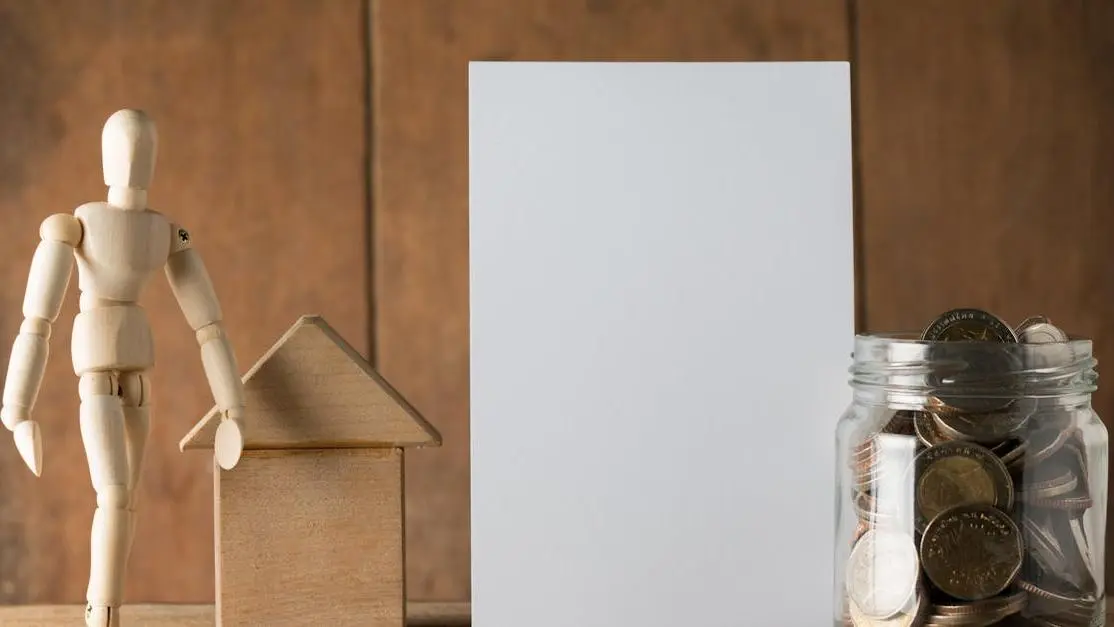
968,325
1010,451
879,416
1043,545
1031,320
860,530
869,510
900,424
1051,346
1040,331
863,463
1074,454
962,383
1047,600
1072,539
876,465
1044,443
972,552
864,481
862,455
882,573
928,432
1074,505
958,473
1048,481
907,617
986,612
985,428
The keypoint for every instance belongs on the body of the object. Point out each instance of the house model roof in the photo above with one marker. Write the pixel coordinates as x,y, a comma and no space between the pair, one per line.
313,390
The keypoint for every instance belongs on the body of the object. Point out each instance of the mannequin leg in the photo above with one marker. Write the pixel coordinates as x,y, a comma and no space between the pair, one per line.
135,390
102,432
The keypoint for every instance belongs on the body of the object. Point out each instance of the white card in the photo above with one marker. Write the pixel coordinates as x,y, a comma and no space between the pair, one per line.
661,323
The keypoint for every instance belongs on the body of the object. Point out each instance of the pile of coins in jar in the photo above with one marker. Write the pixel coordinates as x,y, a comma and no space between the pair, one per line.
988,527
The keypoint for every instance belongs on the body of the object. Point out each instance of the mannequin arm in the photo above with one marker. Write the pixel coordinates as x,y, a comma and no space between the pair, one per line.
51,268
194,291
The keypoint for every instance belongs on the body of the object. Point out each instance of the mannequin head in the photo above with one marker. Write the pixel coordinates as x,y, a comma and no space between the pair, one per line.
128,146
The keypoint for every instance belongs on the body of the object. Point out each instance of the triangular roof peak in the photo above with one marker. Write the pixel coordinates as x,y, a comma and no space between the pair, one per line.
313,390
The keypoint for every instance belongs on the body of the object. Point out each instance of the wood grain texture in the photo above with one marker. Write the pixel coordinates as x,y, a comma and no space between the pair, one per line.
986,143
260,113
420,189
312,389
417,615
311,537
70,615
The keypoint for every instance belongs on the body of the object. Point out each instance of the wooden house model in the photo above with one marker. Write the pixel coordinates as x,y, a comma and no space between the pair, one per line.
309,525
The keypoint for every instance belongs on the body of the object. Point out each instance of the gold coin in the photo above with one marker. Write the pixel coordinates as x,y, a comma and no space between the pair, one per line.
972,552
958,473
968,325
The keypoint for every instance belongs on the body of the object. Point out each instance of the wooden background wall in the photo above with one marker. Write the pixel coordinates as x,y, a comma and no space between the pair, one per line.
317,150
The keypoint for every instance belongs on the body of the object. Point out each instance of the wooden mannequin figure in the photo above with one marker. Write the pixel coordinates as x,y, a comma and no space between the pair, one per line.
118,246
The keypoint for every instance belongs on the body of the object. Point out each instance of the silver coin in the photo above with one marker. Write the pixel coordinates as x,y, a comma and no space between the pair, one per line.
883,572
986,428
1048,345
1048,481
1043,545
1041,333
1011,451
907,617
1072,536
1031,320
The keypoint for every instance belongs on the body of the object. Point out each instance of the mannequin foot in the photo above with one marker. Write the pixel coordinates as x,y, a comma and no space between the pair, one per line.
102,616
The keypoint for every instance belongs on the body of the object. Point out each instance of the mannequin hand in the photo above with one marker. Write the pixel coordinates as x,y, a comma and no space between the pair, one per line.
29,443
229,442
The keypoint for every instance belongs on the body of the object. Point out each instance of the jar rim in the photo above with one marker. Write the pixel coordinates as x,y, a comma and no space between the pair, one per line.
915,339
905,364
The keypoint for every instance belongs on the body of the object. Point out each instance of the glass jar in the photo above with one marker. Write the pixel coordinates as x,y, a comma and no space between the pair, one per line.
971,485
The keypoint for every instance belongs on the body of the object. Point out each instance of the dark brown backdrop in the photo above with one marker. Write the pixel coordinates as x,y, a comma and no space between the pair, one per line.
318,152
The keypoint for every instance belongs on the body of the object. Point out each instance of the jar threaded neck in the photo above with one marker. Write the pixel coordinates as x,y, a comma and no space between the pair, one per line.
910,370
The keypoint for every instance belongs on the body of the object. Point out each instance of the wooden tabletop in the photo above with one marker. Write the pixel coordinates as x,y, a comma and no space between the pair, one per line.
418,615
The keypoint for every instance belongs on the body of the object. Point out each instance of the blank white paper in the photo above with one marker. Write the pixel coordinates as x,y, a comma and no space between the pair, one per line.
661,325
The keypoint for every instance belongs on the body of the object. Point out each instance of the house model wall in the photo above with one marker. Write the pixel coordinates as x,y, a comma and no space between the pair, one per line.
309,525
